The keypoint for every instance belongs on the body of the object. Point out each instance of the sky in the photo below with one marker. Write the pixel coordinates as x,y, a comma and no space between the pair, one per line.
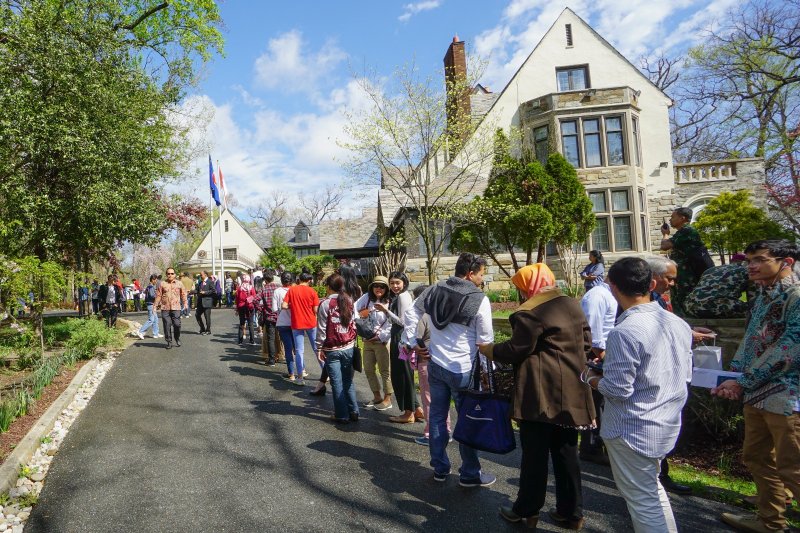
272,109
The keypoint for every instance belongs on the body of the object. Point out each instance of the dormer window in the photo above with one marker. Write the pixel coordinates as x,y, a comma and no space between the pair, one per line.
572,78
301,234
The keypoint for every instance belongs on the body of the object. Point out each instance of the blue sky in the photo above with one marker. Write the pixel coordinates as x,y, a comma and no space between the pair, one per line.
271,110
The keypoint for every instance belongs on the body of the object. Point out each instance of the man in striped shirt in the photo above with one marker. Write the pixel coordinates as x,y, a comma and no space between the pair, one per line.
647,367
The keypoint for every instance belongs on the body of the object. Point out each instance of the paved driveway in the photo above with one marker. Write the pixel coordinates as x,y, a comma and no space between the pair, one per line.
205,438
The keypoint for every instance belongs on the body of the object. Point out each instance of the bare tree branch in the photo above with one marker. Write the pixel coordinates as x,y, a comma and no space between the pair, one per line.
272,212
320,205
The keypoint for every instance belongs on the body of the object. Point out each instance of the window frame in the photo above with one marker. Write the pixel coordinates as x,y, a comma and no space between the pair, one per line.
602,138
546,140
609,217
568,68
577,136
622,132
637,145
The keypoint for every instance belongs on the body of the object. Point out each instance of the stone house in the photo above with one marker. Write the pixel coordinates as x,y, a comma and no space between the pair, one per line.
577,95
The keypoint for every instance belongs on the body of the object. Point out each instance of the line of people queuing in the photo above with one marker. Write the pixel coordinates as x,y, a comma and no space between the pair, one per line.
639,356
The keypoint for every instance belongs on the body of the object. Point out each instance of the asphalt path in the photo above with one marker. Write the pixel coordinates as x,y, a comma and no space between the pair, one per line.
207,438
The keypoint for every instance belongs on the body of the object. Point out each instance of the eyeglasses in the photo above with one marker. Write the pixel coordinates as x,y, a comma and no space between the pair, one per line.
758,261
170,273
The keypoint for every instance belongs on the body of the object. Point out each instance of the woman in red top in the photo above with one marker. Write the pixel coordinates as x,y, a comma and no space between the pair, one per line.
245,303
303,301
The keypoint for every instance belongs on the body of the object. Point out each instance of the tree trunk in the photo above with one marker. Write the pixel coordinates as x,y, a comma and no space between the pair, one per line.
540,253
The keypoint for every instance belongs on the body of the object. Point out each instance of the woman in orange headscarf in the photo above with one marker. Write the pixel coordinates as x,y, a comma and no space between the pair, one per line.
548,347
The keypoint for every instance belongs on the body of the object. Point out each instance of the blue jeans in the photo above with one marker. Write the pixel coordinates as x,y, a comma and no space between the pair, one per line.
444,385
152,320
340,371
288,346
299,346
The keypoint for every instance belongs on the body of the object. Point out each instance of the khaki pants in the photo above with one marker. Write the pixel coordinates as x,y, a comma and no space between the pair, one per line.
377,353
772,454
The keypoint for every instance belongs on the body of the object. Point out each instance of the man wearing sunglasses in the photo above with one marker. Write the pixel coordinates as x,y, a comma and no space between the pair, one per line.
171,299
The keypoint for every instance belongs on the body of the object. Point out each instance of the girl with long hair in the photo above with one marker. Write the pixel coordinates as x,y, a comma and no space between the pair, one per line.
401,371
284,322
593,273
336,337
350,287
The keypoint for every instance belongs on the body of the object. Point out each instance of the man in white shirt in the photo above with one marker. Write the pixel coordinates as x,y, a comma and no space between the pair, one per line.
461,318
600,308
646,370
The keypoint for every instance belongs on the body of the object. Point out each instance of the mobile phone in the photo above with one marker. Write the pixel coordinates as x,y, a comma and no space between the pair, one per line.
420,343
598,367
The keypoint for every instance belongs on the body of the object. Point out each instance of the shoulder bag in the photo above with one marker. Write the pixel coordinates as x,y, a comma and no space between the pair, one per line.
484,416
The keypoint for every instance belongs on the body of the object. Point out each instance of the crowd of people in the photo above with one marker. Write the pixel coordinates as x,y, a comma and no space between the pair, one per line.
602,379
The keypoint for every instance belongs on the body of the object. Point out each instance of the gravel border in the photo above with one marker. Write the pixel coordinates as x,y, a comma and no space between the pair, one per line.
37,448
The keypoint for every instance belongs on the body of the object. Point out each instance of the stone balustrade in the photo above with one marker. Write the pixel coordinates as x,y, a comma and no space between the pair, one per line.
706,171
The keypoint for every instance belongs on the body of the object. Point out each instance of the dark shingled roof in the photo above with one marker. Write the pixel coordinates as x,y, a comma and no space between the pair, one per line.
350,234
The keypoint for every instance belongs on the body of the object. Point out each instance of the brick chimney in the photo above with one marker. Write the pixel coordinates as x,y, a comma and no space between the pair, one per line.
455,77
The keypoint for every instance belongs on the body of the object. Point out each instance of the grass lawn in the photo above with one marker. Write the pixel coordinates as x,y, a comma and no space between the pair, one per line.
504,313
721,488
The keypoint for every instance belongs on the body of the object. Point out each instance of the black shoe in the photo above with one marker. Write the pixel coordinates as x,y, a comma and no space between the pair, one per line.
319,392
202,332
178,344
673,487
567,523
353,417
169,346
507,512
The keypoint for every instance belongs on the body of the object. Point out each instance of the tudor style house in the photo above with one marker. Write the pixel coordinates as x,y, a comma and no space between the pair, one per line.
577,95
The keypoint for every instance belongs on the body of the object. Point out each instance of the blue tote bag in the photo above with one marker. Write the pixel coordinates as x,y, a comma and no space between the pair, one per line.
484,416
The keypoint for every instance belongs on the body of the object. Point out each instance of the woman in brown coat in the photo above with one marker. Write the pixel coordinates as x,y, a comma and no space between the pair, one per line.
548,347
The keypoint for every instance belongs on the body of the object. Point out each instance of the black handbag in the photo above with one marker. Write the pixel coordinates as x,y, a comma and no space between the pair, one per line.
700,261
358,363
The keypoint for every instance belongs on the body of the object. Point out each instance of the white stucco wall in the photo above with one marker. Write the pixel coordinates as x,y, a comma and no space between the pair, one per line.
235,237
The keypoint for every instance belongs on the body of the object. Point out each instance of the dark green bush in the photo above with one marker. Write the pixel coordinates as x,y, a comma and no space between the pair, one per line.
90,335
502,296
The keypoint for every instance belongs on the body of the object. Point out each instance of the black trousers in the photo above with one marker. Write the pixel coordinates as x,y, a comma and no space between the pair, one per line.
95,306
203,312
405,391
245,319
110,314
540,442
137,303
591,443
172,318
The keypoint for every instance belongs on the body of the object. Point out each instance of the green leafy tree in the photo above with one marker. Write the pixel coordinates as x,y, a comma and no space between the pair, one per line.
317,265
88,88
525,206
279,255
38,283
729,222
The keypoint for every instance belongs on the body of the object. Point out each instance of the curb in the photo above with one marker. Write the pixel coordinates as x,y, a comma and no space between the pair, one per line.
9,471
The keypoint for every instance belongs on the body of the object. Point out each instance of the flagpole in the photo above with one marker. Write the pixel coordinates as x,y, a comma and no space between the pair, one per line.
222,250
213,260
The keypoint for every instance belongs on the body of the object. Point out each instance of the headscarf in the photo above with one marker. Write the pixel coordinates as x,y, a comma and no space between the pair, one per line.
532,279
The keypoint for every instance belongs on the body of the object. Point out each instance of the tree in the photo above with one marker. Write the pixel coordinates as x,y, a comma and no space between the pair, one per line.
319,205
738,95
317,265
424,160
525,206
279,256
272,212
87,87
729,222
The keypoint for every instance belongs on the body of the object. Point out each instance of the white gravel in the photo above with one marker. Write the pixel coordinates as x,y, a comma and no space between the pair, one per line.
14,513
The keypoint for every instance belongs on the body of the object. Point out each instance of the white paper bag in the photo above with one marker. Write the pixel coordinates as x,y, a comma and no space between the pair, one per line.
709,357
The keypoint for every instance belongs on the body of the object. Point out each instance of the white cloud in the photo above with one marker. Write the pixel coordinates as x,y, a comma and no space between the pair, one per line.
291,153
288,66
412,9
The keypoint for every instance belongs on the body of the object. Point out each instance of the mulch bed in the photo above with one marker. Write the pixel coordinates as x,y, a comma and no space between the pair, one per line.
504,306
20,427
706,456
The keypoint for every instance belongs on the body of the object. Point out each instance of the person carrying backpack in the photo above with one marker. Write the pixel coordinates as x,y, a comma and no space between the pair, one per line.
245,303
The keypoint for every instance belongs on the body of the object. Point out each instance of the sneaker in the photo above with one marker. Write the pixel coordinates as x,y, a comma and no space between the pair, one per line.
371,404
270,363
483,481
305,374
289,378
300,383
441,478
178,344
422,441
140,335
382,406
169,346
159,336
746,523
